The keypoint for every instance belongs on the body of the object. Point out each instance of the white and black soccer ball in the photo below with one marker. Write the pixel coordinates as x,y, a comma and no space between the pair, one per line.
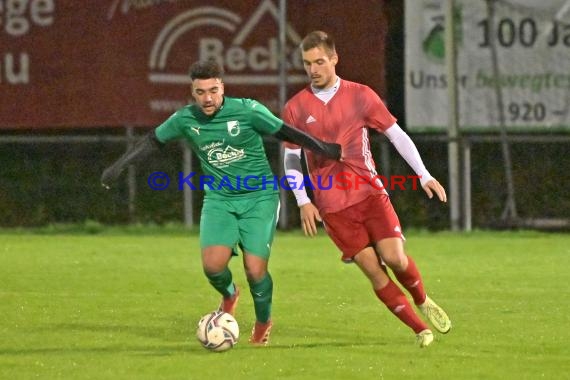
217,331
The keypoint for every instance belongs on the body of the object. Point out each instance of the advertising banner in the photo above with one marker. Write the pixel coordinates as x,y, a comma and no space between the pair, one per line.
524,85
68,63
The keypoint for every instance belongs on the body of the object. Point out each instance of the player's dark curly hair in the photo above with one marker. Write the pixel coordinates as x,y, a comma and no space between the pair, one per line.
318,38
206,70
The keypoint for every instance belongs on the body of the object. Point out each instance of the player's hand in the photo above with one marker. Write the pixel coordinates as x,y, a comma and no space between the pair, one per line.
433,186
309,216
108,177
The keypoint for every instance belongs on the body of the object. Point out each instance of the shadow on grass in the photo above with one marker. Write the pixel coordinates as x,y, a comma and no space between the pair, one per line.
167,350
172,339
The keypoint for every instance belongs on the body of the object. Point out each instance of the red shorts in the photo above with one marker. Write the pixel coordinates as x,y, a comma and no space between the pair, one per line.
363,224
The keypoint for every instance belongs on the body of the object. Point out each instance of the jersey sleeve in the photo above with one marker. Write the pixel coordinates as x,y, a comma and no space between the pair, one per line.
376,114
290,120
170,129
262,119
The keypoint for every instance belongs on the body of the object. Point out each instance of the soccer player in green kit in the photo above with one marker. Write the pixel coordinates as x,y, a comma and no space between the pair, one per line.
241,206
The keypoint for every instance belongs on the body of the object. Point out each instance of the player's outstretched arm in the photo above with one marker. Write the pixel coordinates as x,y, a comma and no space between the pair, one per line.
141,150
295,136
407,149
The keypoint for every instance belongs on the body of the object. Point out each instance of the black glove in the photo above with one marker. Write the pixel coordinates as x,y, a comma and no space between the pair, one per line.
333,150
295,136
110,175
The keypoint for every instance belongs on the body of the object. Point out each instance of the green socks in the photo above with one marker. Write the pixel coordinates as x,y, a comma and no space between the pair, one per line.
262,293
222,282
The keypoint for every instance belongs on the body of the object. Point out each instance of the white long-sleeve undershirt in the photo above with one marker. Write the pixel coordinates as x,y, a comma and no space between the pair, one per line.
407,149
292,164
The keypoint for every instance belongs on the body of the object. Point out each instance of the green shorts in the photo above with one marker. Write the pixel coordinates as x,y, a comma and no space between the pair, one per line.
249,223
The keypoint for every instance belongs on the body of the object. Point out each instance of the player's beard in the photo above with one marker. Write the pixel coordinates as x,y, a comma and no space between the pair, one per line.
209,108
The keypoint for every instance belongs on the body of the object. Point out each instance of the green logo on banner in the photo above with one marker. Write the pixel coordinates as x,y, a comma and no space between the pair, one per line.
434,44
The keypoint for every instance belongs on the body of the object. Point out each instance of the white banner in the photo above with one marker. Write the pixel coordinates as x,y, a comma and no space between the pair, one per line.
530,76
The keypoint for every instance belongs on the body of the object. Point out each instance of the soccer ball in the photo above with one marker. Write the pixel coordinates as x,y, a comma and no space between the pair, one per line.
217,331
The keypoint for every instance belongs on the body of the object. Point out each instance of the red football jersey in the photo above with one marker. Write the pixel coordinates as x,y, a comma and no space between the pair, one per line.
345,119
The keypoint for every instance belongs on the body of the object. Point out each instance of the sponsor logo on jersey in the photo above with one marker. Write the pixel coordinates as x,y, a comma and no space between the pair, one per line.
219,157
310,119
212,145
233,128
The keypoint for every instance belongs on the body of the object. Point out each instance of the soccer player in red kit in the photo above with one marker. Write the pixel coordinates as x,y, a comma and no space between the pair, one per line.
349,195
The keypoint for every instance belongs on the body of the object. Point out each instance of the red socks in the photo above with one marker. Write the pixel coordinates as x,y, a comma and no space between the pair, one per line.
396,301
412,281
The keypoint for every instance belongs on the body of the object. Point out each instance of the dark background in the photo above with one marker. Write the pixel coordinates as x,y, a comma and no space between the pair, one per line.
43,183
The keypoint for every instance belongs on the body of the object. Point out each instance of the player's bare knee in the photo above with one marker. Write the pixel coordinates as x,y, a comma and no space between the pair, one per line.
396,261
255,274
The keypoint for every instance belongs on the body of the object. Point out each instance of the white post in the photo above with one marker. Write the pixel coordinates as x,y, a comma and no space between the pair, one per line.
131,176
283,212
467,214
453,129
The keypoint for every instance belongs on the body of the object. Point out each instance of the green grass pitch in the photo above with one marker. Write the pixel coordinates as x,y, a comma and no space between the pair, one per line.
124,305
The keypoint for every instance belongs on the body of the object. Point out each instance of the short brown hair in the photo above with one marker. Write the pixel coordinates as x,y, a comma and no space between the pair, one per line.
318,38
206,70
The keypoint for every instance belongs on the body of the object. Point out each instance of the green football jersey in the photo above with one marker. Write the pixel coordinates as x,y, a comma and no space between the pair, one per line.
229,145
